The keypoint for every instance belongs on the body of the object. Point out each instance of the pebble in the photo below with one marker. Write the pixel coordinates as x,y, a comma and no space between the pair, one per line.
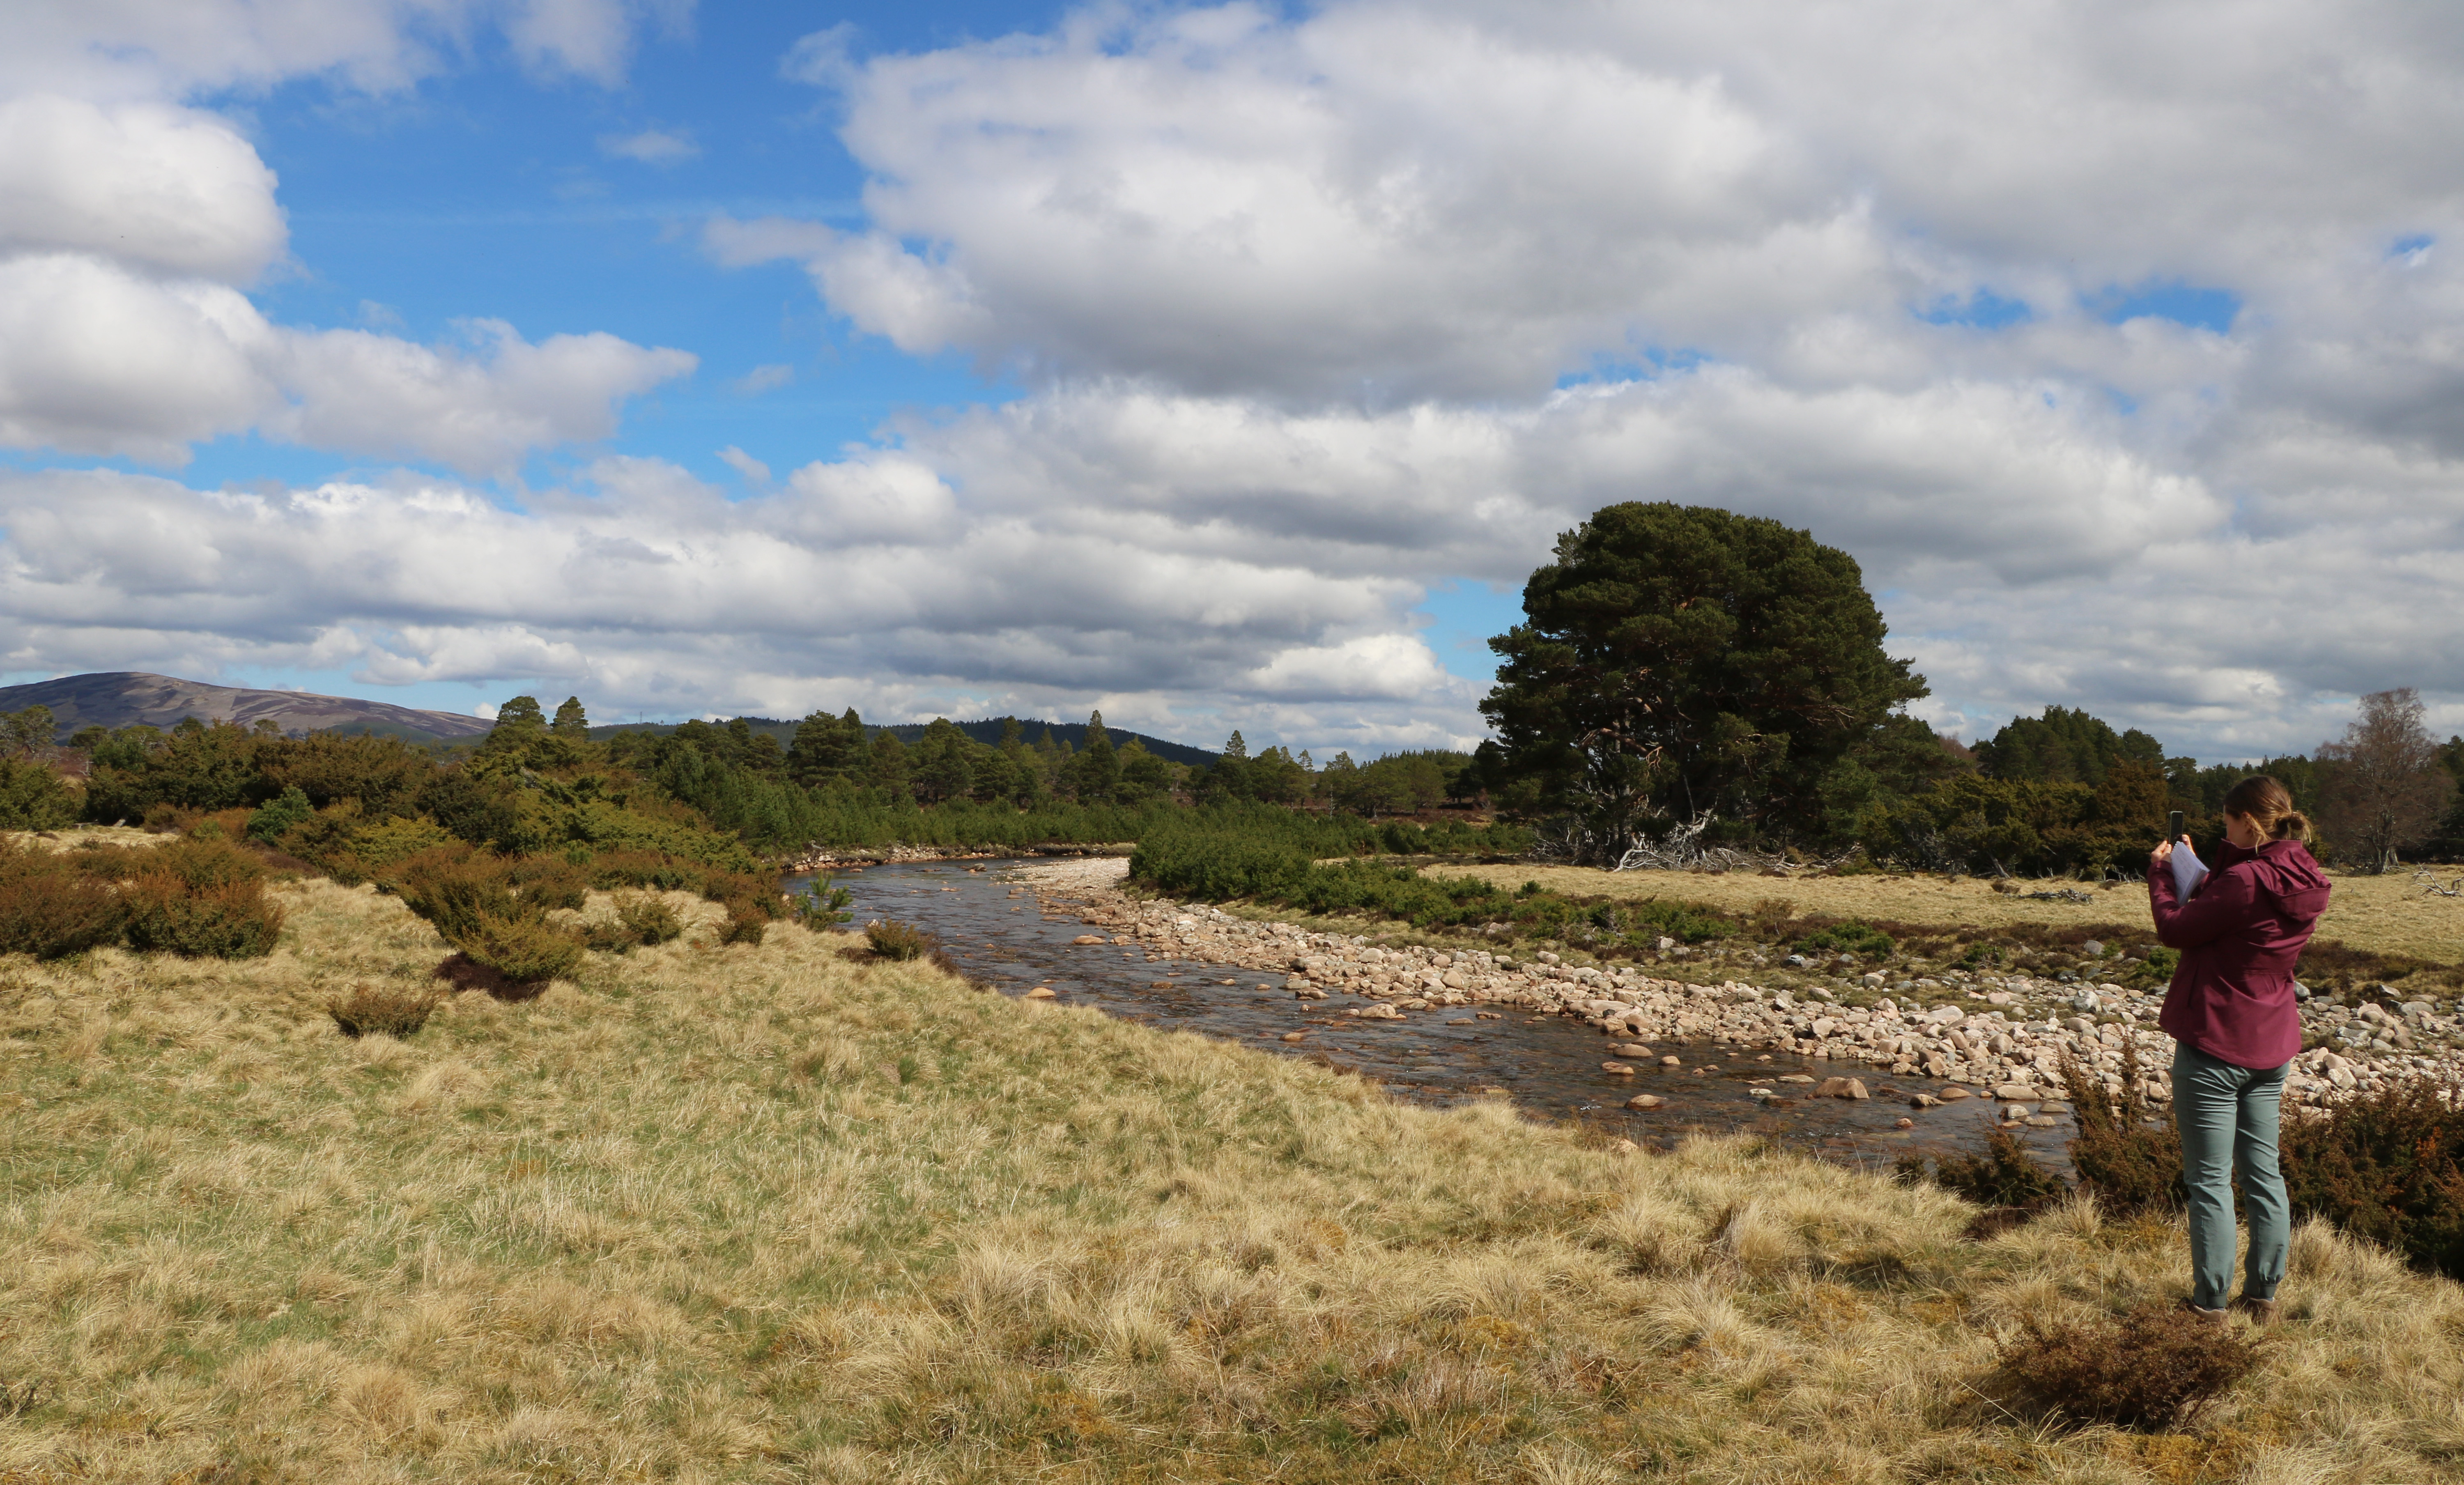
1645,1101
1841,1088
1620,1069
1672,1061
1294,1036
1086,939
1905,1124
1040,992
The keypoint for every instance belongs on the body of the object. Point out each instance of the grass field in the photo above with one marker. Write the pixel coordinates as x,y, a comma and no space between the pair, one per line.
2388,914
763,1213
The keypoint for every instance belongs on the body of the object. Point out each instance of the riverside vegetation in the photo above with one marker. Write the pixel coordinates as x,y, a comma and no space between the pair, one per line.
784,1210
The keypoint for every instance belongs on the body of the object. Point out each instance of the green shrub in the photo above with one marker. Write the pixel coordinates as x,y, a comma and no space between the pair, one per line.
461,892
1849,938
2129,1163
280,813
197,863
823,907
34,798
382,1011
891,938
2150,1369
649,920
548,882
2005,1175
527,952
2387,1166
228,919
51,909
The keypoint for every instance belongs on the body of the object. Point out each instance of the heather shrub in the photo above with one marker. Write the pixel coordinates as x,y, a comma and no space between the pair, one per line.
2150,1369
650,921
2387,1166
756,893
459,891
382,1011
51,909
228,919
197,863
746,923
891,938
548,882
2128,1163
2006,1180
528,953
614,869
641,921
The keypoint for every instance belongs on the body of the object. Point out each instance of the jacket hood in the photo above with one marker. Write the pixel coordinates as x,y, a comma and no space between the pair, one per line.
2286,871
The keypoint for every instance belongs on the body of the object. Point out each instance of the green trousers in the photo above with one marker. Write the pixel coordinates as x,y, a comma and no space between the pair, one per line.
2227,1118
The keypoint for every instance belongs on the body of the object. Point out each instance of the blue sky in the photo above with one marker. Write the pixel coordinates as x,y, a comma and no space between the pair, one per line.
1215,366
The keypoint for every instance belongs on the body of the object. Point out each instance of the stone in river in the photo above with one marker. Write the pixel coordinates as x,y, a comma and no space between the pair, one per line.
1620,1069
1841,1088
1925,1101
2015,1093
1462,1021
1040,993
2043,1122
1905,1123
1796,1077
1953,1092
1086,939
1631,1052
1672,1062
1293,1036
1645,1101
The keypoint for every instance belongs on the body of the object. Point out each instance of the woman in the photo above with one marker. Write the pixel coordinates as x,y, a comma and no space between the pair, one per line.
2232,1017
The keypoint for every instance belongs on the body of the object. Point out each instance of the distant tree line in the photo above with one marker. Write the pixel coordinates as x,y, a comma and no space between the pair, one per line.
1690,668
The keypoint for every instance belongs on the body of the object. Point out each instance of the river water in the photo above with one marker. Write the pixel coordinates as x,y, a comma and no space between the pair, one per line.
986,916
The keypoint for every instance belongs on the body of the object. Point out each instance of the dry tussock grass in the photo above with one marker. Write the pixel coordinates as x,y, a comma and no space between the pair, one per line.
739,1213
2386,915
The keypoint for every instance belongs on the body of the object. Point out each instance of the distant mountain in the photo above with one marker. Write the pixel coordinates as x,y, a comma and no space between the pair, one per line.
988,731
127,698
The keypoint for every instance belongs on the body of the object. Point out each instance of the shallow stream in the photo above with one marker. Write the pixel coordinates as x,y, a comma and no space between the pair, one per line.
988,918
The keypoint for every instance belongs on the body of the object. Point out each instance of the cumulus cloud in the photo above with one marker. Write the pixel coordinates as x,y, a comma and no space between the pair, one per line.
161,190
1312,310
97,360
130,227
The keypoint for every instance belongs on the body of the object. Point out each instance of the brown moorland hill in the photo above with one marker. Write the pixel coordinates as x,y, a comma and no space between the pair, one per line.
126,698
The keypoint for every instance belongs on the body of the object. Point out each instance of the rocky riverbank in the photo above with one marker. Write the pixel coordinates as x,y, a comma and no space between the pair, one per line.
2005,1036
825,858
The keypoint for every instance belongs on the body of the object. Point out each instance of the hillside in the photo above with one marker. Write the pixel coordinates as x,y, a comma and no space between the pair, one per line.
124,699
987,731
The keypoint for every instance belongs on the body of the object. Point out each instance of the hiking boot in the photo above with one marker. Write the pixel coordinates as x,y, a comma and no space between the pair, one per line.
2259,1312
2217,1317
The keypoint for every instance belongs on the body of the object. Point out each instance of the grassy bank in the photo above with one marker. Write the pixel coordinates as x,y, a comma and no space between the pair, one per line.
2382,915
763,1213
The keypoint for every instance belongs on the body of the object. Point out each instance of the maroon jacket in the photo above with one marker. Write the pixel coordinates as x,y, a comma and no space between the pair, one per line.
2240,935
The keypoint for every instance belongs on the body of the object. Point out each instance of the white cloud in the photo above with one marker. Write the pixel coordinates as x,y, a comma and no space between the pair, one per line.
754,471
651,147
94,360
762,379
158,189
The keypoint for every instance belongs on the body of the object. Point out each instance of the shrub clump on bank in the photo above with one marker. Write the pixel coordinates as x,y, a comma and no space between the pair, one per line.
197,898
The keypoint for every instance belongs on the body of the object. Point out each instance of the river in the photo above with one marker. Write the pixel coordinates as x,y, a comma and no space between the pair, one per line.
988,918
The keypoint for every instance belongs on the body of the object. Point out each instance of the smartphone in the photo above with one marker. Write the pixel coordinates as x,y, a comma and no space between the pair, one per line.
2174,826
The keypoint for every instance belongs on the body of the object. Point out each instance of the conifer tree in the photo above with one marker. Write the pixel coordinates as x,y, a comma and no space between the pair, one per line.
570,721
1096,774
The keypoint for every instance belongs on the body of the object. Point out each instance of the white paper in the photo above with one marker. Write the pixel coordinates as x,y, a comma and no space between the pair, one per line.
2188,871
